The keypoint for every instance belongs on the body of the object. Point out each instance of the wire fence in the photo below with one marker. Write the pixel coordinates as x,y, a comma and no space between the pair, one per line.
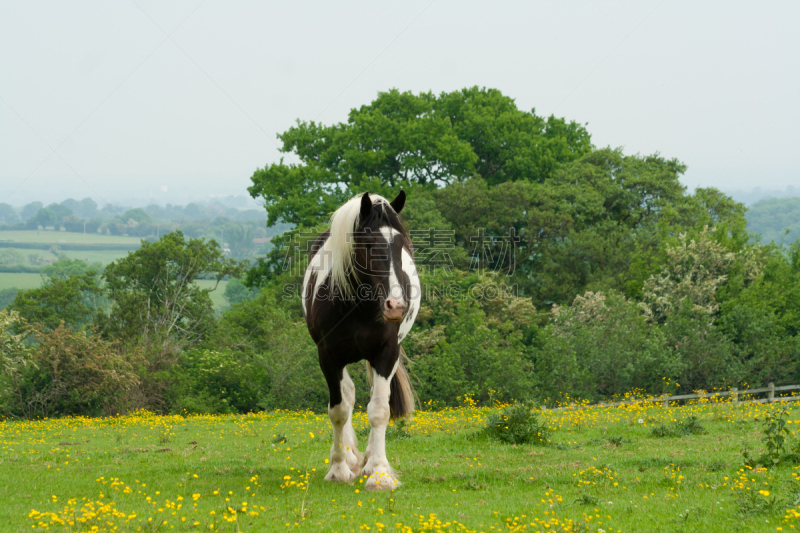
736,397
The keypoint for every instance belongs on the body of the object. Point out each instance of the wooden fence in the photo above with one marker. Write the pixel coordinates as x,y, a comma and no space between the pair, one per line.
735,393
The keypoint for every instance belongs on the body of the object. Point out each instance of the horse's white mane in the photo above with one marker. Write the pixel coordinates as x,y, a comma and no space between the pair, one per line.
336,255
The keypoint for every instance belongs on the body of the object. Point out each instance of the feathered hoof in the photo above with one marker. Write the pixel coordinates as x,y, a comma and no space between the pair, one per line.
353,462
381,481
368,468
340,473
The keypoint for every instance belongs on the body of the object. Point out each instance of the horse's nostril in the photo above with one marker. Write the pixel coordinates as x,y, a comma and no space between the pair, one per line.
394,305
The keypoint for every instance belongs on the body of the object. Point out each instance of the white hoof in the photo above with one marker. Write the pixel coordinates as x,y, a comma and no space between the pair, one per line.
381,481
353,462
340,473
368,467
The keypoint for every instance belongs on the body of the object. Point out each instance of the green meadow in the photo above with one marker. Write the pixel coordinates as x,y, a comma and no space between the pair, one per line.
56,237
603,470
94,255
101,256
20,281
32,281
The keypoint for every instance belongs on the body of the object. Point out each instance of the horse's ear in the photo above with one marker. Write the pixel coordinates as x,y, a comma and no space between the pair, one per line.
399,201
366,206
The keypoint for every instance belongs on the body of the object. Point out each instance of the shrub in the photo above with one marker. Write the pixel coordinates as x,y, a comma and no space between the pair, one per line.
464,354
236,292
279,353
72,373
602,346
13,351
516,424
7,296
209,381
779,444
681,428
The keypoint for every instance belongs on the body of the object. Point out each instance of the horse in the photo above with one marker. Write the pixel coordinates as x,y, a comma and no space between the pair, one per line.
360,296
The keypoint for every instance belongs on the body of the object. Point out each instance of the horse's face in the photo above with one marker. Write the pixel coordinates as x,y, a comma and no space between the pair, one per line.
378,260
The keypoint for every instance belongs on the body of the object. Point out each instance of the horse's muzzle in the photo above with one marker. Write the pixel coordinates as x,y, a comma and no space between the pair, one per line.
393,310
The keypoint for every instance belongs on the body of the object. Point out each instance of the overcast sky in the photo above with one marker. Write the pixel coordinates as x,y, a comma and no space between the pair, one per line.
129,100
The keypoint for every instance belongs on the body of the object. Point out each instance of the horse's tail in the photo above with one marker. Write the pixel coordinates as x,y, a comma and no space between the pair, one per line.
401,392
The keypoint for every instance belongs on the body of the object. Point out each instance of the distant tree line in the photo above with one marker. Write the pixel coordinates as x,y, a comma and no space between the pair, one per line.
775,219
84,216
552,269
237,228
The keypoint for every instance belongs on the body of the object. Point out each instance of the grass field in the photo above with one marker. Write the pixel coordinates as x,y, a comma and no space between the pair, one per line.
54,237
103,257
217,296
603,471
32,281
20,281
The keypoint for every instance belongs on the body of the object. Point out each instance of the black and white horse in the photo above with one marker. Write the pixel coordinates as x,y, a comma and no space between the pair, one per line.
361,294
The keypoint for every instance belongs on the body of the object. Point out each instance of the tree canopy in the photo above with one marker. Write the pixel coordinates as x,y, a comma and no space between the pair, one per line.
407,140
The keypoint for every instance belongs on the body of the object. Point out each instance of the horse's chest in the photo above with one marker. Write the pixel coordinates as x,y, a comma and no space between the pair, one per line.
414,296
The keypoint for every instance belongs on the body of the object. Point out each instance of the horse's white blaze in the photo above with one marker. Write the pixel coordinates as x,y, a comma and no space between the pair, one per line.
395,287
414,298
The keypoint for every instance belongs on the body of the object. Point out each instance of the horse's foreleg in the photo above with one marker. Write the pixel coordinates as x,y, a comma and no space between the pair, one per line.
344,450
380,474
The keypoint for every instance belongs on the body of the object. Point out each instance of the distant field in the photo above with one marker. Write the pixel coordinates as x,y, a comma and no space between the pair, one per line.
216,296
32,281
20,281
103,257
24,252
54,237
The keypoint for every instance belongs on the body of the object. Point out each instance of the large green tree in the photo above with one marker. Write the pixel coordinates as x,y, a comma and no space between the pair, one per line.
407,140
153,294
73,300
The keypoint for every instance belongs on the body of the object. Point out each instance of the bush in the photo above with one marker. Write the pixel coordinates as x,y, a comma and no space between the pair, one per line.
7,296
681,428
236,292
779,443
71,373
516,425
10,257
602,346
13,351
281,358
465,352
208,381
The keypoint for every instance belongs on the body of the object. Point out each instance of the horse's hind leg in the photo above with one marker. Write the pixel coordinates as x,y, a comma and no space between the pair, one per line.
344,451
377,466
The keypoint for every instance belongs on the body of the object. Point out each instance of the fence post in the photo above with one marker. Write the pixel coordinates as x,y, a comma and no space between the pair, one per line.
771,391
666,400
735,394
